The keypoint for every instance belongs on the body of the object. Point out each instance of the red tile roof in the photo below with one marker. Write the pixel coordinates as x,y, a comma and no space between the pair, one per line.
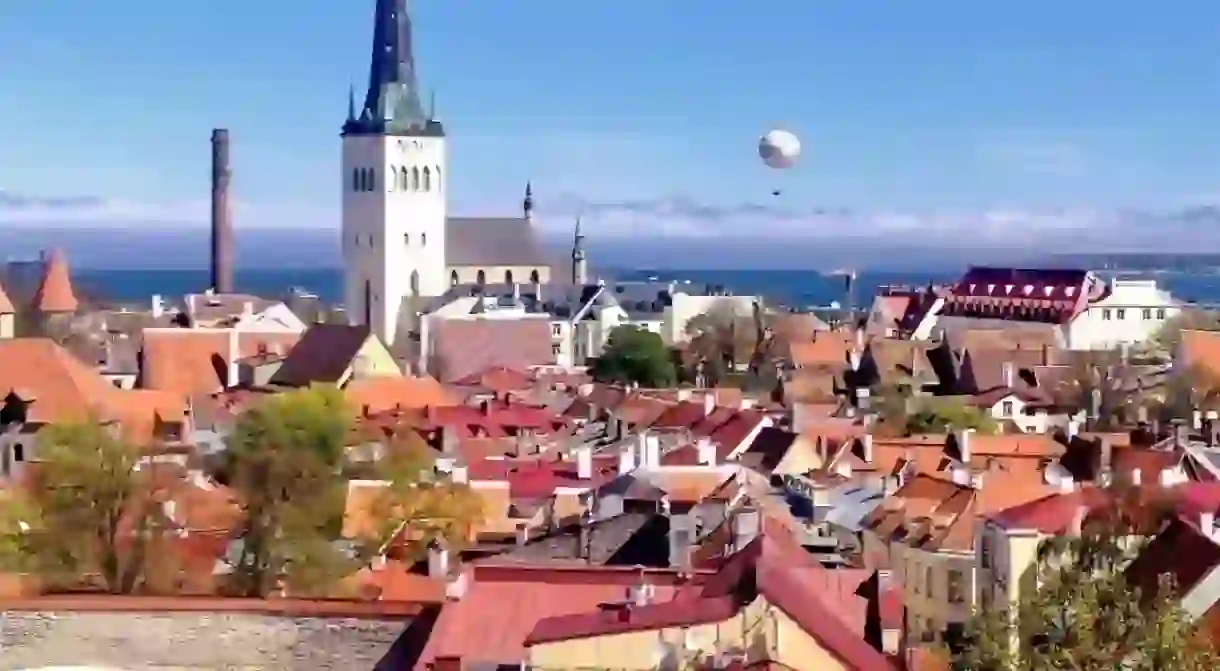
55,292
496,379
773,566
733,433
502,604
682,415
535,478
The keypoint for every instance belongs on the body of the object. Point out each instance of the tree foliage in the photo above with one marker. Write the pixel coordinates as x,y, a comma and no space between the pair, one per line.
635,355
285,462
86,512
1106,386
943,415
1166,339
288,463
721,339
1084,614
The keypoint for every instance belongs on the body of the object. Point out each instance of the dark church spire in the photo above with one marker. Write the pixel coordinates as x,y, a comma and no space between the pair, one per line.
392,102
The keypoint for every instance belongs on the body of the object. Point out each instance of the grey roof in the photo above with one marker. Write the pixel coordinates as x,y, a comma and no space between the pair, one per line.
606,537
323,354
493,241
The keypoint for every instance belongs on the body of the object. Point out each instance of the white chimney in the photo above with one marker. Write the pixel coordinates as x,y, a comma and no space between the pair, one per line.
866,445
460,474
584,462
1008,373
516,293
707,452
1073,428
641,450
963,444
709,403
1136,477
626,459
1067,484
438,562
234,354
747,403
1207,523
157,308
1196,420
247,309
653,458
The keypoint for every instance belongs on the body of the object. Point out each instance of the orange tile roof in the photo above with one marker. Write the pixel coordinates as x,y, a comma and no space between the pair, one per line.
195,361
382,394
55,292
1201,349
825,349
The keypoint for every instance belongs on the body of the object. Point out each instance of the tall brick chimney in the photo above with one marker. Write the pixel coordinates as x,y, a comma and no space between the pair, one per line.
222,214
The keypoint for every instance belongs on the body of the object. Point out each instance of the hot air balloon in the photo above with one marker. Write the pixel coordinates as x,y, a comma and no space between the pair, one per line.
779,149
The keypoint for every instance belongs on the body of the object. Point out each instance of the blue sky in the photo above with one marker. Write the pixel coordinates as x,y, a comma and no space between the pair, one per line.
641,106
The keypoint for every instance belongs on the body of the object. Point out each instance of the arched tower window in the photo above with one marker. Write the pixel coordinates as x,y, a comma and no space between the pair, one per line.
453,278
508,277
356,183
368,303
427,178
372,180
480,278
404,178
423,239
414,282
391,180
534,277
438,178
415,179
406,239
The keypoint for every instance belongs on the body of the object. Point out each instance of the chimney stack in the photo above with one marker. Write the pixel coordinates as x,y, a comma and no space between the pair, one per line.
222,215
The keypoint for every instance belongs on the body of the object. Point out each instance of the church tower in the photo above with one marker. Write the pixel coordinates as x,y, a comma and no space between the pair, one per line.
394,184
580,264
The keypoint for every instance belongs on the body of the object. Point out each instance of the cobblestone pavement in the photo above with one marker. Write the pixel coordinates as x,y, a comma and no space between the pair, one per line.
191,641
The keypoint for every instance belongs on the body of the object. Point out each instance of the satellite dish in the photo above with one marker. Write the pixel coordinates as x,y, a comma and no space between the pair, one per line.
779,149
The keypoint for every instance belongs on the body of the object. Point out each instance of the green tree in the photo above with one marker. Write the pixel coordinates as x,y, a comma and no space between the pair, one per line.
940,415
285,461
87,510
633,354
1084,614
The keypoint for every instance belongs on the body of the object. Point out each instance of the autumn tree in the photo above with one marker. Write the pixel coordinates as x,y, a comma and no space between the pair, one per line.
1084,613
288,463
1163,343
635,355
1106,386
420,502
87,511
941,415
285,462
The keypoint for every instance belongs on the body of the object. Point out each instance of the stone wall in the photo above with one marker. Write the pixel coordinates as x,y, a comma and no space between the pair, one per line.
192,641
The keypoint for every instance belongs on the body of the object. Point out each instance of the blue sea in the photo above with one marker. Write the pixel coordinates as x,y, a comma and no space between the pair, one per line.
789,287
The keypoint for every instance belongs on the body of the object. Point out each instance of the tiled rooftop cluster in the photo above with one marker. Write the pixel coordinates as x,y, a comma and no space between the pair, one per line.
804,526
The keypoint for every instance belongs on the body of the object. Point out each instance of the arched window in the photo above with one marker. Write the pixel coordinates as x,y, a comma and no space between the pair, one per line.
368,303
406,239
427,178
404,178
356,183
372,177
508,277
453,278
480,278
438,178
423,239
415,179
414,282
391,180
534,279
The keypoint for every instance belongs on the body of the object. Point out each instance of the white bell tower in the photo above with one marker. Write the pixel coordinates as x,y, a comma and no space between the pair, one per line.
394,182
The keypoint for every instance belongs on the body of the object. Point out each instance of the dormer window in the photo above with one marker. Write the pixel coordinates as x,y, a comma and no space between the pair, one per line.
990,289
1029,289
1008,288
1070,291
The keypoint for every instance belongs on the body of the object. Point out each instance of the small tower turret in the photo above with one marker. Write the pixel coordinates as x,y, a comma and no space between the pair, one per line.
580,264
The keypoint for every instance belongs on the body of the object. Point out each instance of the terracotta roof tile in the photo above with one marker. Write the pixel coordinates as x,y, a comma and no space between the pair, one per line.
195,361
825,349
462,347
382,394
55,294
